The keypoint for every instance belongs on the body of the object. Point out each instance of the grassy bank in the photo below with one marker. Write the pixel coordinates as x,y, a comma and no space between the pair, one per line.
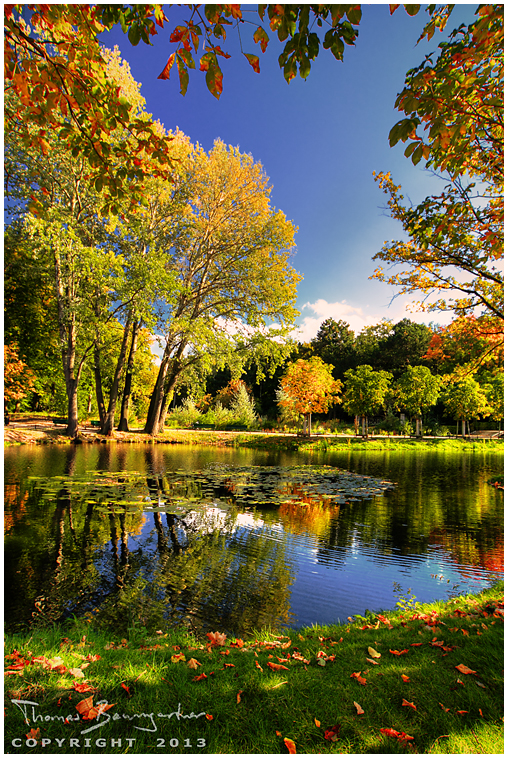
431,676
40,434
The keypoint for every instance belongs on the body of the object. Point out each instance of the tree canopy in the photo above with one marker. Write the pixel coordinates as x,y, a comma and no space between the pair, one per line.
309,387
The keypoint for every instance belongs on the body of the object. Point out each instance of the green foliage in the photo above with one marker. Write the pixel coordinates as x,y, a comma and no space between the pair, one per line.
366,390
465,399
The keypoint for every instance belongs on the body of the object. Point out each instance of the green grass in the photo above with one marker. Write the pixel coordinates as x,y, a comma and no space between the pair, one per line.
253,708
274,441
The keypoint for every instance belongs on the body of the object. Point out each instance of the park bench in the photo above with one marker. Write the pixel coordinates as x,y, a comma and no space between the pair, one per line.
95,424
60,420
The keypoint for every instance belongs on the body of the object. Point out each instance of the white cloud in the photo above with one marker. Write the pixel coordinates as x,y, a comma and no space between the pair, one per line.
357,318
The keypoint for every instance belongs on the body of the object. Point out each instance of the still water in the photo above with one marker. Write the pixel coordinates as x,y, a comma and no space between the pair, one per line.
196,536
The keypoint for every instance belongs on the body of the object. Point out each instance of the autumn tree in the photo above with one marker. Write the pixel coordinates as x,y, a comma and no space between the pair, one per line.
454,120
465,400
365,392
234,287
416,392
18,378
308,387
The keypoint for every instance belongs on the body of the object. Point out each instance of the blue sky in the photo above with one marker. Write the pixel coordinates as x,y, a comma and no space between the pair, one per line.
319,141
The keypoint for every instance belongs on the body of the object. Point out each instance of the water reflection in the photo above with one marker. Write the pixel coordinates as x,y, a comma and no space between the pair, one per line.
212,564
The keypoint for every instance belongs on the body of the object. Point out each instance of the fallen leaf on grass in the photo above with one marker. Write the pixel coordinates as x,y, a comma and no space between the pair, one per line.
199,678
374,653
177,657
237,643
238,696
258,666
445,709
192,663
216,638
209,716
290,745
399,652
407,703
416,644
370,660
359,709
76,673
317,723
88,711
277,666
464,669
357,675
129,694
82,687
462,713
298,657
332,733
33,734
405,678
402,737
229,665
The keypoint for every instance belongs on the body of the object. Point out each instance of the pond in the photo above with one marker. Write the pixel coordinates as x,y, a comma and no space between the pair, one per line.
234,540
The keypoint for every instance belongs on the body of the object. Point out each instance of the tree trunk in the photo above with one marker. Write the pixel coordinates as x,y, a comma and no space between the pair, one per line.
463,427
107,427
309,422
365,428
72,407
152,418
123,425
98,384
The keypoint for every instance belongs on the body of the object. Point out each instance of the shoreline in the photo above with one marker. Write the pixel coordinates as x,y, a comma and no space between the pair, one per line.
43,433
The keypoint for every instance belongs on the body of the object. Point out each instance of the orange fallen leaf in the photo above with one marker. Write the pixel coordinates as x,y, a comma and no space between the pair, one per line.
33,734
399,652
82,687
416,644
76,673
373,653
229,665
199,678
290,746
317,723
237,643
480,711
357,675
370,660
464,669
216,638
278,733
126,688
359,709
277,666
402,737
407,703
462,713
258,666
177,657
192,663
238,696
209,716
332,733
86,709
444,708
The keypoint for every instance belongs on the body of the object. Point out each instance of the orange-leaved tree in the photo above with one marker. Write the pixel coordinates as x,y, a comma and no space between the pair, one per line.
453,105
309,387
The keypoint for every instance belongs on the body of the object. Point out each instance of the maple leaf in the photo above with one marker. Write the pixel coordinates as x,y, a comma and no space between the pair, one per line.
464,669
216,638
332,733
359,709
86,709
357,675
237,643
408,704
192,663
33,734
82,687
177,657
277,666
290,746
76,673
